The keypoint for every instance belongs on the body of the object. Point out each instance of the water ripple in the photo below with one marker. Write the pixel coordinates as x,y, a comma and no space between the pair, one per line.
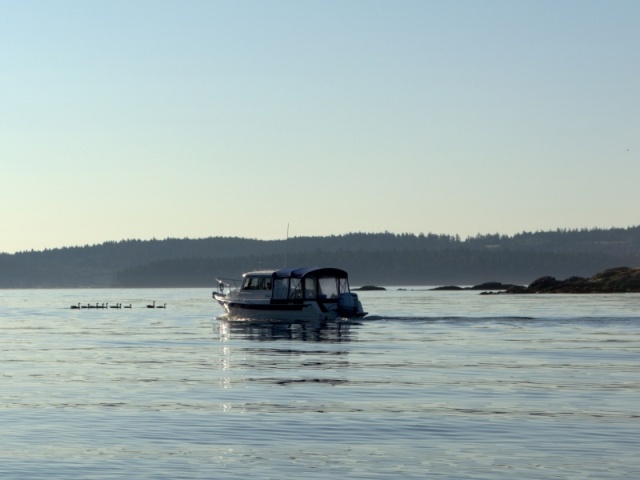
435,385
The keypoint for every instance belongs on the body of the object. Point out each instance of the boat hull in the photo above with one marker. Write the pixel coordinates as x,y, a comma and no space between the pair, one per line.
309,310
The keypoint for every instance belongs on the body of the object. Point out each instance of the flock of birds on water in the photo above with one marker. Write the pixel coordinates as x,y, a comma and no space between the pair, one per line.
117,305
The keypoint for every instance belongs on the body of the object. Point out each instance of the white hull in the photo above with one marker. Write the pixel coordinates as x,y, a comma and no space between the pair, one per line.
310,310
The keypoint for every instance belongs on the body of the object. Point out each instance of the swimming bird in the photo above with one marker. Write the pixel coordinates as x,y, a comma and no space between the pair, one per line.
127,306
117,305
152,306
163,306
76,306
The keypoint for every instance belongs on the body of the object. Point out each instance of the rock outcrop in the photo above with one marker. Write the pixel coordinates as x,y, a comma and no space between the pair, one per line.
613,280
493,286
366,288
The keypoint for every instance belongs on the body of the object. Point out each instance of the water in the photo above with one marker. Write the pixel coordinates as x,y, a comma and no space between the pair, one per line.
446,385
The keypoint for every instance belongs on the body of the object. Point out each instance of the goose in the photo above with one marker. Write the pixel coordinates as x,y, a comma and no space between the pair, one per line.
117,305
163,306
152,306
76,306
127,306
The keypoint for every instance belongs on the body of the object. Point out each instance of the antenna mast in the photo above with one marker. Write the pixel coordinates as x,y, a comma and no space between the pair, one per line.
286,242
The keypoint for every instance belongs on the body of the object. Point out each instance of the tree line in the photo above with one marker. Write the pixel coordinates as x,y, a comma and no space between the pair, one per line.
371,258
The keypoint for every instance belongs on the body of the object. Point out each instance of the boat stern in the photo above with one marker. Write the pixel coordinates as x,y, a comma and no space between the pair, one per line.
349,306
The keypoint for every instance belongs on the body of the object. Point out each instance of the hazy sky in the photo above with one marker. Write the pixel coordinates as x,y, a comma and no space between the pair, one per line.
154,119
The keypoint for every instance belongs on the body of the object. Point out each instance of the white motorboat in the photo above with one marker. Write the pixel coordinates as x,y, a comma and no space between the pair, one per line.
307,293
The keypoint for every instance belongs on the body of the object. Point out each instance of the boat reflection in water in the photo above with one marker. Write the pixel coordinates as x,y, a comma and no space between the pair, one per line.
302,330
284,353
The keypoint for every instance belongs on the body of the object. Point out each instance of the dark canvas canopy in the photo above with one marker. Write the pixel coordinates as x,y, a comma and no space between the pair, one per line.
303,272
296,285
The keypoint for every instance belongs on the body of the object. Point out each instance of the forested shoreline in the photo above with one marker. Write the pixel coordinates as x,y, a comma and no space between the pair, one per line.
370,258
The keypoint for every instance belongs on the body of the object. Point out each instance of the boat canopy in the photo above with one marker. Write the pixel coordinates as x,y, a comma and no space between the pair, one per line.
303,272
309,283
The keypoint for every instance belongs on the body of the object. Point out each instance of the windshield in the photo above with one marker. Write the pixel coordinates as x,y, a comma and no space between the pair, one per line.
257,283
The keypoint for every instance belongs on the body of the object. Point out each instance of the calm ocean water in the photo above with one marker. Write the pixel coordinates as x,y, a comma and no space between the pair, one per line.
446,385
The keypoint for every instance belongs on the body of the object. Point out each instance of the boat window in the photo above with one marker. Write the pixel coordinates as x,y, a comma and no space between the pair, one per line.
257,283
295,288
310,288
264,283
343,286
328,287
280,288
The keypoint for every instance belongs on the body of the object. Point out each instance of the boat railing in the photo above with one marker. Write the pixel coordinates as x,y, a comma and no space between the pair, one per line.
225,285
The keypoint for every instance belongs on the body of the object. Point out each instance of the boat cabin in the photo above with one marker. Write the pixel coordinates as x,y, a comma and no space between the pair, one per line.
257,281
295,285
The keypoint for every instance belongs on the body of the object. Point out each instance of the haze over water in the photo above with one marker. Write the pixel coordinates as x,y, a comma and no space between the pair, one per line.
431,385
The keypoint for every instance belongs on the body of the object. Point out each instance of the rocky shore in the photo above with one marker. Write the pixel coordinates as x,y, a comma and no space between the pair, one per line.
493,286
613,280
367,288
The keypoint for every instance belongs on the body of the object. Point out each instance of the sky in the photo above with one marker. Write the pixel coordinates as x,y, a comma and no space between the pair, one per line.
141,119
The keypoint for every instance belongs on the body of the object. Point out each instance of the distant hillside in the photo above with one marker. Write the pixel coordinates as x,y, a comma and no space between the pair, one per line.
370,258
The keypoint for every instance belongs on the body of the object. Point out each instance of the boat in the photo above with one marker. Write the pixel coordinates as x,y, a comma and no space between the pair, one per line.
305,293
